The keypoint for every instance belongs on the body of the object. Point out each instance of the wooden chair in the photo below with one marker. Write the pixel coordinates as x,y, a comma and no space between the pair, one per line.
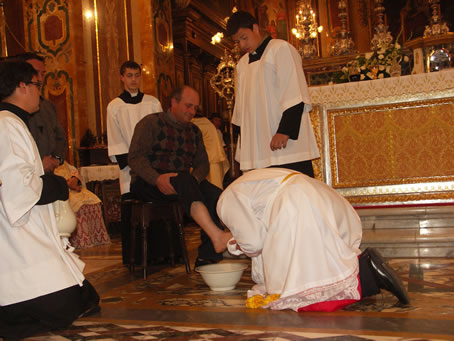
142,215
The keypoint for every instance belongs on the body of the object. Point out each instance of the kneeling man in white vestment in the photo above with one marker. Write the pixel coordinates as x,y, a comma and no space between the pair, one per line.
42,287
303,238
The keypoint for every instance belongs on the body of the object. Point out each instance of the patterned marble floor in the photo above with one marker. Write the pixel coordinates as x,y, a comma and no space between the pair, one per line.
173,305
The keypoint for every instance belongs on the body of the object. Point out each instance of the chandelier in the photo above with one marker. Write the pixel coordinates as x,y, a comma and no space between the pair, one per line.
307,29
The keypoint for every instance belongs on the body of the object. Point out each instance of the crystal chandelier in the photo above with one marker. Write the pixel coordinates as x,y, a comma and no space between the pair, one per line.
307,29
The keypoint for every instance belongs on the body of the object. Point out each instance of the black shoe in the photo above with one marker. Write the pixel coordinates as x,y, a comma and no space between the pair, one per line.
387,278
201,261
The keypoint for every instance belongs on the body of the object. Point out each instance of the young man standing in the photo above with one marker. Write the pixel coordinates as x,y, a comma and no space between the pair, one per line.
123,113
272,101
41,282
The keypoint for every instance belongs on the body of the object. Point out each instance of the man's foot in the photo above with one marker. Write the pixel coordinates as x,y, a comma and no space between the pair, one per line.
220,244
200,261
387,278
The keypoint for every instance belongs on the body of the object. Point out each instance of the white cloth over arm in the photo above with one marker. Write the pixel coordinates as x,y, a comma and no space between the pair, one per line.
33,261
265,89
308,235
121,120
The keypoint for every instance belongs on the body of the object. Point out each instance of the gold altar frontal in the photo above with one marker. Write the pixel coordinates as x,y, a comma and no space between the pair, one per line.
388,141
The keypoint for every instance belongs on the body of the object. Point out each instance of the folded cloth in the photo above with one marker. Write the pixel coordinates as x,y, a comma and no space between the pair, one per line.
231,247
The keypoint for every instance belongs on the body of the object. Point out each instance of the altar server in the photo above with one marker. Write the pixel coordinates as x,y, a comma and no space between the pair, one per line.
272,101
41,282
123,113
304,240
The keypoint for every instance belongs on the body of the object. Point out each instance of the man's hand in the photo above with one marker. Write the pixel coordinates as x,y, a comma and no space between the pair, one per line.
74,184
164,185
255,254
50,163
278,141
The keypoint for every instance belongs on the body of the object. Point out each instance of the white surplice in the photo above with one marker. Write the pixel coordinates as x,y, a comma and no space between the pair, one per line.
304,236
264,90
121,120
34,261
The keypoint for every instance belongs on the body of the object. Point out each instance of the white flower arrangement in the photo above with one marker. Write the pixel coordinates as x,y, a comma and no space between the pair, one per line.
376,64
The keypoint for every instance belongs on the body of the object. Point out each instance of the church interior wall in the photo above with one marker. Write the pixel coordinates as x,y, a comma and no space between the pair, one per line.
171,41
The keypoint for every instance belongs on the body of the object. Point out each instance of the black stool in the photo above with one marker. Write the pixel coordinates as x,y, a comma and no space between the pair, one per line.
142,214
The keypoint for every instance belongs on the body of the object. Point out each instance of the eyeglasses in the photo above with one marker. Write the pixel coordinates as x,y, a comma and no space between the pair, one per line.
37,84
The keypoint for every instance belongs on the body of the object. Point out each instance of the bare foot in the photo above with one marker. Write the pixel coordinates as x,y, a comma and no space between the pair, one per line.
220,244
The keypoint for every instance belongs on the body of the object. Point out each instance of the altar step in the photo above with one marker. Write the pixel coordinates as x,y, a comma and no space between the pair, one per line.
423,231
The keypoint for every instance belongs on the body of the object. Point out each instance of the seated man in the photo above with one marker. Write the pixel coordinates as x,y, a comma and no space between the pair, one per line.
90,230
41,282
303,238
168,161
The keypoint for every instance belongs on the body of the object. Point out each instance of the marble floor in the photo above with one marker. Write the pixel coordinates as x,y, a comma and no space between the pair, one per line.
174,305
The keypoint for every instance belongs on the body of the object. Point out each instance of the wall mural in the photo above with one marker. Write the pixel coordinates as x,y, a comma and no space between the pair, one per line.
47,25
272,17
164,51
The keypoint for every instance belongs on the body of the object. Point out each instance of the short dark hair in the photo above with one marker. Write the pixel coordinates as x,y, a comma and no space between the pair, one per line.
29,56
177,93
240,19
13,72
130,64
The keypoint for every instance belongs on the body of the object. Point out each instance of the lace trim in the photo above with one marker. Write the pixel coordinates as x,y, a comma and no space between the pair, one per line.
346,289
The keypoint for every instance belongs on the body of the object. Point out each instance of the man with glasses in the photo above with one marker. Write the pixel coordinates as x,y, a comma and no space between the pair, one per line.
41,282
43,124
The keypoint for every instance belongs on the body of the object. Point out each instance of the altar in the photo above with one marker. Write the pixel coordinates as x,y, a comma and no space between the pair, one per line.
387,145
388,141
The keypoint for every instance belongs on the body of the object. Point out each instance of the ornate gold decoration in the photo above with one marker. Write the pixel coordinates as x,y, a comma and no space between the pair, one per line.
382,36
98,63
126,28
223,82
420,198
317,164
437,25
344,43
393,151
4,47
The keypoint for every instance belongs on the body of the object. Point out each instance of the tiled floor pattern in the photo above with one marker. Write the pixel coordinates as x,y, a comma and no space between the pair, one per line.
83,330
176,306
